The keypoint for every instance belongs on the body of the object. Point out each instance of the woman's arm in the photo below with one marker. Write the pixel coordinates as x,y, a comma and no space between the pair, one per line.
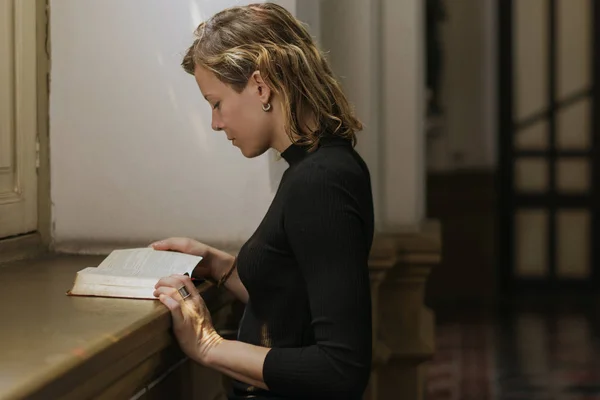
329,225
214,262
221,262
329,228
197,337
235,286
238,360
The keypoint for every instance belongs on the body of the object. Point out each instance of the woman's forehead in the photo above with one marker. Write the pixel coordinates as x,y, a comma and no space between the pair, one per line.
207,81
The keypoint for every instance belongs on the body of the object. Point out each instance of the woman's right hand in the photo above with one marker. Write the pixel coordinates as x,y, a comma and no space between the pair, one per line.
213,260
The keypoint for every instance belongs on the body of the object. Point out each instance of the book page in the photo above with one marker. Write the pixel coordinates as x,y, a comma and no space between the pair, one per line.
139,292
147,262
118,277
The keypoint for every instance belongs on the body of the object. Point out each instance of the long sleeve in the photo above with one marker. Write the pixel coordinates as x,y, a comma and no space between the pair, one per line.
329,226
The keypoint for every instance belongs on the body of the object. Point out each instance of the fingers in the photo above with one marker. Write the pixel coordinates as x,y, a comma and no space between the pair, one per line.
182,310
171,298
165,244
189,285
169,281
174,282
174,243
174,306
167,291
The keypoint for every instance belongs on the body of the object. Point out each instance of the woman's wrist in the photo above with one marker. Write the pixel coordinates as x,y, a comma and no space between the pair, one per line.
241,361
207,351
222,264
213,354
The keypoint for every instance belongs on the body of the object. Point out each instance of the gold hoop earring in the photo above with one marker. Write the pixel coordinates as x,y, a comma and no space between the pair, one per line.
266,107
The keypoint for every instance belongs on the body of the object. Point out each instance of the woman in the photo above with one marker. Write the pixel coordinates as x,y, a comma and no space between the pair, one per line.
303,275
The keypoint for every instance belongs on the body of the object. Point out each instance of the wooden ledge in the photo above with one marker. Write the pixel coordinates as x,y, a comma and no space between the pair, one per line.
56,346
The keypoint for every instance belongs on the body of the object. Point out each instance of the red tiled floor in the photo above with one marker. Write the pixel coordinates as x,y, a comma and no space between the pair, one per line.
517,353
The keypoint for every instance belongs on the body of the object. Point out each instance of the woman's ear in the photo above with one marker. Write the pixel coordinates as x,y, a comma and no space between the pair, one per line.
262,89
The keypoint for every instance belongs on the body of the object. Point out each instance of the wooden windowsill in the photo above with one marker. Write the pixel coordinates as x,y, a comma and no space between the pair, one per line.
56,346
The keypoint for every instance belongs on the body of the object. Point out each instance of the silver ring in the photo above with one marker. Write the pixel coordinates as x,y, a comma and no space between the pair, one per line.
184,292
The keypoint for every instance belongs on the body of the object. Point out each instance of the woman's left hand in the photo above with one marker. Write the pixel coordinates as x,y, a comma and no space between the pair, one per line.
192,323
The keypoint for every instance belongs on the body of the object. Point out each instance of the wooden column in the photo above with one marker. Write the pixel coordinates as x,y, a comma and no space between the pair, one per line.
381,260
405,326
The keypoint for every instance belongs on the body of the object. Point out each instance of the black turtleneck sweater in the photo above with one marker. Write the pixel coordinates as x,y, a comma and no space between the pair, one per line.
305,269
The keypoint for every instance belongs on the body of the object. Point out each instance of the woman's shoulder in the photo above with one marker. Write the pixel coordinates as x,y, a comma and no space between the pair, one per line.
333,162
330,178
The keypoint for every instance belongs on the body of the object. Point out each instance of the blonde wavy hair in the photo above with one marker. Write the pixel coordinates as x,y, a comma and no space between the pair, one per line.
266,37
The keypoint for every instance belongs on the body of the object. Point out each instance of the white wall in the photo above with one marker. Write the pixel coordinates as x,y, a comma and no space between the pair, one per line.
349,28
309,12
133,157
383,78
403,121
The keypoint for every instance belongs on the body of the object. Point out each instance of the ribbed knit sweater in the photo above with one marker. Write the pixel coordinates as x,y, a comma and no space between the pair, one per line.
305,269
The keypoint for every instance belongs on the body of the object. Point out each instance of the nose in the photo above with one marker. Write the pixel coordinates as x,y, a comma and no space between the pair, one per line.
216,126
216,123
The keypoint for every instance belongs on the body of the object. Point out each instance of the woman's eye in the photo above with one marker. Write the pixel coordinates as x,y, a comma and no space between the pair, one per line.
217,104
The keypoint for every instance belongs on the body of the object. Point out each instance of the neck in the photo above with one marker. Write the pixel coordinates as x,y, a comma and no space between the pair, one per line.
282,140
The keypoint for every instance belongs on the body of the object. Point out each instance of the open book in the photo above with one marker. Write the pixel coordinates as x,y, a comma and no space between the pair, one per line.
131,273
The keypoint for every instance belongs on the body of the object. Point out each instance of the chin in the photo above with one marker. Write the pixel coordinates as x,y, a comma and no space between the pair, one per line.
252,153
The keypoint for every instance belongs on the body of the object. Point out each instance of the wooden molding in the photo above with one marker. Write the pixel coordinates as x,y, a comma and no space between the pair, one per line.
383,254
21,247
44,210
381,354
423,246
427,239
